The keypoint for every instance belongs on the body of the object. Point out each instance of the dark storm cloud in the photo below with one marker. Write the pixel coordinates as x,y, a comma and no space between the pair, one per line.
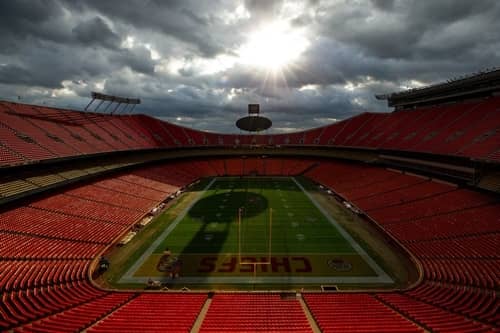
383,4
52,64
25,17
137,59
169,54
179,19
415,29
96,32
14,74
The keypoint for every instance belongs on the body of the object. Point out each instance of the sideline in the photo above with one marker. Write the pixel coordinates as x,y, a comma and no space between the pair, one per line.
260,279
382,275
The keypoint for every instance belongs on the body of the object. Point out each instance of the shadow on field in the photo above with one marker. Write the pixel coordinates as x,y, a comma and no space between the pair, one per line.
215,217
221,209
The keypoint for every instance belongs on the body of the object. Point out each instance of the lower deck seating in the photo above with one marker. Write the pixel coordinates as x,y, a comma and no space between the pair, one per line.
46,247
115,198
356,313
22,306
15,246
30,274
466,222
455,234
234,166
468,272
442,203
431,317
97,211
480,304
166,312
79,317
254,313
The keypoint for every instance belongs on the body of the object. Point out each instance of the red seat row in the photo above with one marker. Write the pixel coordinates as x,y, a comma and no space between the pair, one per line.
119,185
480,304
20,275
20,246
164,312
47,245
356,313
471,272
79,317
22,306
254,312
109,196
37,133
74,206
442,203
459,256
470,221
433,318
51,224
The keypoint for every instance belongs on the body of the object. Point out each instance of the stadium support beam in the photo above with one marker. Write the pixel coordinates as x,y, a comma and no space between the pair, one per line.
123,102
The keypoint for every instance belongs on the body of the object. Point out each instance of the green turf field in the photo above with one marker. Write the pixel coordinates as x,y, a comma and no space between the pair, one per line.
251,231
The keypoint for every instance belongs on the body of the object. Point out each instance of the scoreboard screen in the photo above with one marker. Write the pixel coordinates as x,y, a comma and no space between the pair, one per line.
253,108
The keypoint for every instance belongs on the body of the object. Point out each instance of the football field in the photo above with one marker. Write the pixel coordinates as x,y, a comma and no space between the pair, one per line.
257,230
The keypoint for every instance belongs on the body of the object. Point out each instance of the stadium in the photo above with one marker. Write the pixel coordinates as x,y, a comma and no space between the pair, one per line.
116,220
83,189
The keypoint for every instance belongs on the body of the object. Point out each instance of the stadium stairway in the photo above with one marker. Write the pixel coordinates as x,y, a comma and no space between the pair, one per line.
201,315
310,317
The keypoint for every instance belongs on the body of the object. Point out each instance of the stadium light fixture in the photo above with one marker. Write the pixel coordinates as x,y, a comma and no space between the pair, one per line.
125,102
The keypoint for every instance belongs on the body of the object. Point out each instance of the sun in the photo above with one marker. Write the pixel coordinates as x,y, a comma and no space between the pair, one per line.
273,46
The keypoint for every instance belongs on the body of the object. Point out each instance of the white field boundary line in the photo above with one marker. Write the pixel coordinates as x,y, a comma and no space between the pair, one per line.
382,275
290,279
163,235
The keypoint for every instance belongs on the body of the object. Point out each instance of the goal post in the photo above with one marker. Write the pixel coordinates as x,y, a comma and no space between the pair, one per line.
269,240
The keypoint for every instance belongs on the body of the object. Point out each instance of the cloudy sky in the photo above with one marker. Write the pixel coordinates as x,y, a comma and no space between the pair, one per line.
199,63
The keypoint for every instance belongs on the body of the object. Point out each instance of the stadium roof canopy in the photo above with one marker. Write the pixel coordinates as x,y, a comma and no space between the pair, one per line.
477,85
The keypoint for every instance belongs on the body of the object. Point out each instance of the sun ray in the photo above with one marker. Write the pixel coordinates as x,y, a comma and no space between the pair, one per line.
273,46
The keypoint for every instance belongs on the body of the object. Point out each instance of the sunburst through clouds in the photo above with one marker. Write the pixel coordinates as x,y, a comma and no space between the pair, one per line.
273,49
